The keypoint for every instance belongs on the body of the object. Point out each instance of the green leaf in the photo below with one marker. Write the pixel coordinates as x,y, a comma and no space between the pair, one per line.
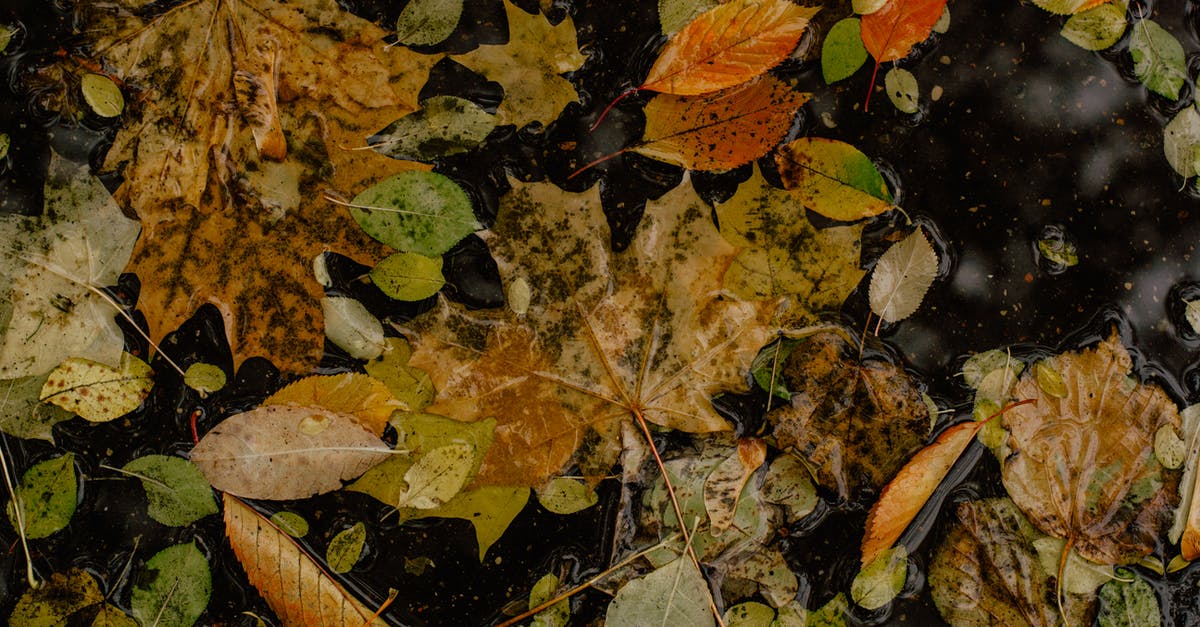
490,510
173,588
178,493
557,615
563,495
57,600
902,89
102,95
6,35
673,594
204,378
98,392
788,483
876,585
1049,380
419,212
443,126
346,548
290,523
352,328
843,52
767,365
427,22
833,178
982,364
832,614
749,614
1181,142
438,475
5,142
23,415
409,385
1128,600
1158,59
409,276
903,276
1097,28
47,494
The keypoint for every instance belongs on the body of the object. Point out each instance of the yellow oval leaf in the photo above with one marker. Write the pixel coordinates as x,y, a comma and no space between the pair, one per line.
98,392
833,178
102,95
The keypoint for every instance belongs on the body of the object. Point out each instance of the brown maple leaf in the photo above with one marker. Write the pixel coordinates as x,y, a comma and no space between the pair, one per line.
244,113
607,336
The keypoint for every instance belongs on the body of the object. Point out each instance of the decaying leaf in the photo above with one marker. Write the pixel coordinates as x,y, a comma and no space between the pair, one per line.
1083,466
607,337
724,485
21,413
833,178
47,495
722,130
346,548
728,45
59,598
1186,527
295,587
97,392
438,476
1128,600
903,276
443,126
241,128
286,452
409,385
363,398
1159,60
881,579
853,423
1097,28
173,588
529,67
427,22
674,594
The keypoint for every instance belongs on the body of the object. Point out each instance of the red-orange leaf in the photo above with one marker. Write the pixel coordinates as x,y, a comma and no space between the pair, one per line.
903,498
728,45
721,131
890,33
296,588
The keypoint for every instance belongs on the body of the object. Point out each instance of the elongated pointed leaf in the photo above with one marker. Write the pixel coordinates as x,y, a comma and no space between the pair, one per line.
890,33
902,277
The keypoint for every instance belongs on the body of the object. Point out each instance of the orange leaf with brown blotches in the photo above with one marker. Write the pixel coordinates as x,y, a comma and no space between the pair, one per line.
903,498
362,397
298,590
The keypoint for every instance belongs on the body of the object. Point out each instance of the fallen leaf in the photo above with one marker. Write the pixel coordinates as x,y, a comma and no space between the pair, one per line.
202,158
673,15
286,452
728,45
673,594
97,392
1097,28
1083,465
842,51
346,548
749,614
22,415
350,327
112,616
490,510
1064,7
437,476
789,484
1128,600
295,587
890,33
176,490
204,378
290,523
1186,527
722,130
833,178
903,276
1158,58
363,398
853,423
408,276
420,212
529,67
881,579
60,597
443,126
1181,142
173,588
51,308
557,615
902,89
563,495
574,362
102,95
411,386
427,22
47,495
724,484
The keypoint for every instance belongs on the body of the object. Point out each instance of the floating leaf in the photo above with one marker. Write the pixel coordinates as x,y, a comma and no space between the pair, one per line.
673,594
173,588
47,494
102,95
529,67
437,476
673,15
60,597
767,365
286,452
21,413
901,87
563,495
890,33
723,130
842,52
903,276
881,579
176,490
5,143
346,548
1098,28
443,126
427,22
1064,7
1128,600
865,7
408,276
295,587
980,365
290,523
1169,448
97,392
6,35
204,378
749,614
1186,527
1181,142
409,385
420,212
1158,58
352,328
557,615
361,397
833,178
728,45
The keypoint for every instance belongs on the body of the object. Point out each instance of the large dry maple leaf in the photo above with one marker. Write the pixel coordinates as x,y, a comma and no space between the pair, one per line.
607,336
244,113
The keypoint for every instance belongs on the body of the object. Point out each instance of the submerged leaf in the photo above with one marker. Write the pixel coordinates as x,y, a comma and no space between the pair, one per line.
881,579
96,392
174,587
443,126
352,328
674,594
833,178
903,276
427,22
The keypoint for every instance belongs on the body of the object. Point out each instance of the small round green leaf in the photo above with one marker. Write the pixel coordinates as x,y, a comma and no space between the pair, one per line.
177,491
843,52
47,493
345,548
409,276
902,89
102,95
57,600
1181,142
427,22
204,378
443,126
419,212
290,523
173,588
877,584
1097,28
563,495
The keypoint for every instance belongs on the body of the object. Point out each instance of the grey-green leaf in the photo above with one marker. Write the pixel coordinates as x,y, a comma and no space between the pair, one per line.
23,415
1097,28
902,89
674,594
443,126
173,588
47,493
1158,59
842,52
177,491
767,365
420,212
1181,142
408,276
427,22
1128,601
290,523
345,548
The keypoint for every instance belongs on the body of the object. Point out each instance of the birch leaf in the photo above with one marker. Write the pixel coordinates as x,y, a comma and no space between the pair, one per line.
443,126
286,452
1158,58
295,587
96,392
427,22
437,476
673,594
176,490
833,178
346,548
47,494
902,277
361,397
173,588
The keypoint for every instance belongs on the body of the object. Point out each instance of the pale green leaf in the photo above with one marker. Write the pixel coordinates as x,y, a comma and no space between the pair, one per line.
1181,142
6,35
902,277
788,483
749,614
563,495
427,22
419,212
842,52
1158,58
47,494
352,328
173,588
1080,576
408,276
832,614
1169,447
437,476
902,89
177,491
673,594
290,523
443,126
557,615
102,95
23,415
61,596
346,548
980,365
97,392
409,385
1097,28
204,378
1128,601
880,581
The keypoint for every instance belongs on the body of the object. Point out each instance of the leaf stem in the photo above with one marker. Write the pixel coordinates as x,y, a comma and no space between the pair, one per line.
596,162
619,98
18,513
